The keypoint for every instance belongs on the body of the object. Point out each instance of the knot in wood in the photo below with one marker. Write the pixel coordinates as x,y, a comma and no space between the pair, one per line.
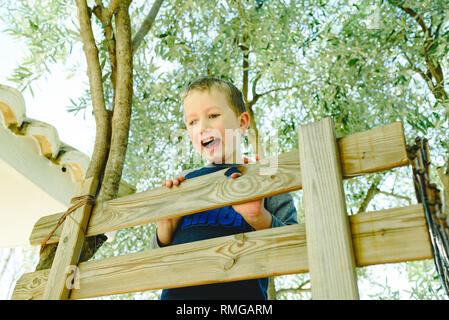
240,239
228,265
37,282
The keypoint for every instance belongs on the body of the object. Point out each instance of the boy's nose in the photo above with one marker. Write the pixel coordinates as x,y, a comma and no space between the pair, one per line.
204,125
200,128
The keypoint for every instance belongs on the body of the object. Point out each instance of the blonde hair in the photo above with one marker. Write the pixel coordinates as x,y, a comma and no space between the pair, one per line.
234,95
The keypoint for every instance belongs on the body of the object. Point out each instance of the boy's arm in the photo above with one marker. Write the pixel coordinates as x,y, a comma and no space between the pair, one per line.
154,244
154,241
282,209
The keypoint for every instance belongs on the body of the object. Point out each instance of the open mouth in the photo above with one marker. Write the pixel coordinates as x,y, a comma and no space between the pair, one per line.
210,143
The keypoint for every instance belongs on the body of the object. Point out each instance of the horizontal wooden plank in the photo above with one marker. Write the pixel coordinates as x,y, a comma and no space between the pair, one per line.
393,235
389,236
373,150
193,195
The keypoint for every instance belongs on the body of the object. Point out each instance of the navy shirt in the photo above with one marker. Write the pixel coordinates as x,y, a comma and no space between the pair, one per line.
209,224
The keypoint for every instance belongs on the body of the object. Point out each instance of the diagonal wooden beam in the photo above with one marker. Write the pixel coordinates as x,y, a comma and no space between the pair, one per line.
386,236
374,150
69,249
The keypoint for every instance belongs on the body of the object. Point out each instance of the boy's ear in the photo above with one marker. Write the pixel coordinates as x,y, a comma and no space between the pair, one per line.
244,121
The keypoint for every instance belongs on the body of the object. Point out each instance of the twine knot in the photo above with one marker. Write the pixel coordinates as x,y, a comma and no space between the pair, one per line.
78,202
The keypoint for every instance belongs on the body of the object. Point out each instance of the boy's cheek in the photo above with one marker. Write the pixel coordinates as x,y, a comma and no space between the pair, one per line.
196,142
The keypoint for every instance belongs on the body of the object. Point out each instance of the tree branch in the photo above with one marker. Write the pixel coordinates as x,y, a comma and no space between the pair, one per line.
372,191
107,13
146,25
102,14
271,292
112,8
253,89
253,132
419,20
434,68
122,105
102,122
427,77
257,96
6,261
245,68
394,195
299,289
99,5
102,125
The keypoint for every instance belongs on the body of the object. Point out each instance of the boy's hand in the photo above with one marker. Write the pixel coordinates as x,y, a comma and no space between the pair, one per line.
253,212
176,181
166,227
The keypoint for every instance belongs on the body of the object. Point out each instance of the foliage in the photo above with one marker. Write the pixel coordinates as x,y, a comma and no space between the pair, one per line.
39,23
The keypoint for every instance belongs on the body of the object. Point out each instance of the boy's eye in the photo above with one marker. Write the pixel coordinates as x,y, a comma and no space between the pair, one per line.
211,116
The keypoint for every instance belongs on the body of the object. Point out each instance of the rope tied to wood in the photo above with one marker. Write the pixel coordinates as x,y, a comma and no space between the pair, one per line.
437,220
78,203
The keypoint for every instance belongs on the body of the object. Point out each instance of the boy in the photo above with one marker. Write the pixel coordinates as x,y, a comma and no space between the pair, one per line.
213,108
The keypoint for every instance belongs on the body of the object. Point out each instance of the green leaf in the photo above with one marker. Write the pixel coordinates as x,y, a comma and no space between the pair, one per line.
352,62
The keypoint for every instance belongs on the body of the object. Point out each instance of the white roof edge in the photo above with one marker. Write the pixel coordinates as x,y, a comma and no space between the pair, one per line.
13,116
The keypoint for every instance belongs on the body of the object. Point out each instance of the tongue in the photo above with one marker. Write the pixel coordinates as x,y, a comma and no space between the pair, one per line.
213,143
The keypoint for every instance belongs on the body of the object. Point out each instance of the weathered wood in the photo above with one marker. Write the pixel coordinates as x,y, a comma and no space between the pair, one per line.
69,249
390,236
373,150
329,245
193,195
385,236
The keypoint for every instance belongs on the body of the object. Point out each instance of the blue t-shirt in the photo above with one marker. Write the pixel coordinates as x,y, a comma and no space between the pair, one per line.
209,224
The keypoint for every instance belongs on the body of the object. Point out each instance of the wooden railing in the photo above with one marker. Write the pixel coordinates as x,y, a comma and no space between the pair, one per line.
343,241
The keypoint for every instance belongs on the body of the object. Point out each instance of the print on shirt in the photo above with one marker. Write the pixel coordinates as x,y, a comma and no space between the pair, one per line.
225,217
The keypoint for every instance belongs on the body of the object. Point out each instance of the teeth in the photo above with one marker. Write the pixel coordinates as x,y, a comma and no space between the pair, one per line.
207,140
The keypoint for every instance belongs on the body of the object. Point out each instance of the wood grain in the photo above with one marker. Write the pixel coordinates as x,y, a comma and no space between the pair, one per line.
385,236
69,249
393,235
373,150
330,252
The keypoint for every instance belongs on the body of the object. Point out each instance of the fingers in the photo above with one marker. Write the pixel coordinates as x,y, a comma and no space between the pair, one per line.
235,175
176,181
246,160
167,183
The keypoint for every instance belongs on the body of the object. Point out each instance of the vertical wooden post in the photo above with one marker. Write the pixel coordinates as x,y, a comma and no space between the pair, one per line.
70,245
329,243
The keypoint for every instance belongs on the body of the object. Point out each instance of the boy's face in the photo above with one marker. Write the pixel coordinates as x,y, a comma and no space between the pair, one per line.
212,124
